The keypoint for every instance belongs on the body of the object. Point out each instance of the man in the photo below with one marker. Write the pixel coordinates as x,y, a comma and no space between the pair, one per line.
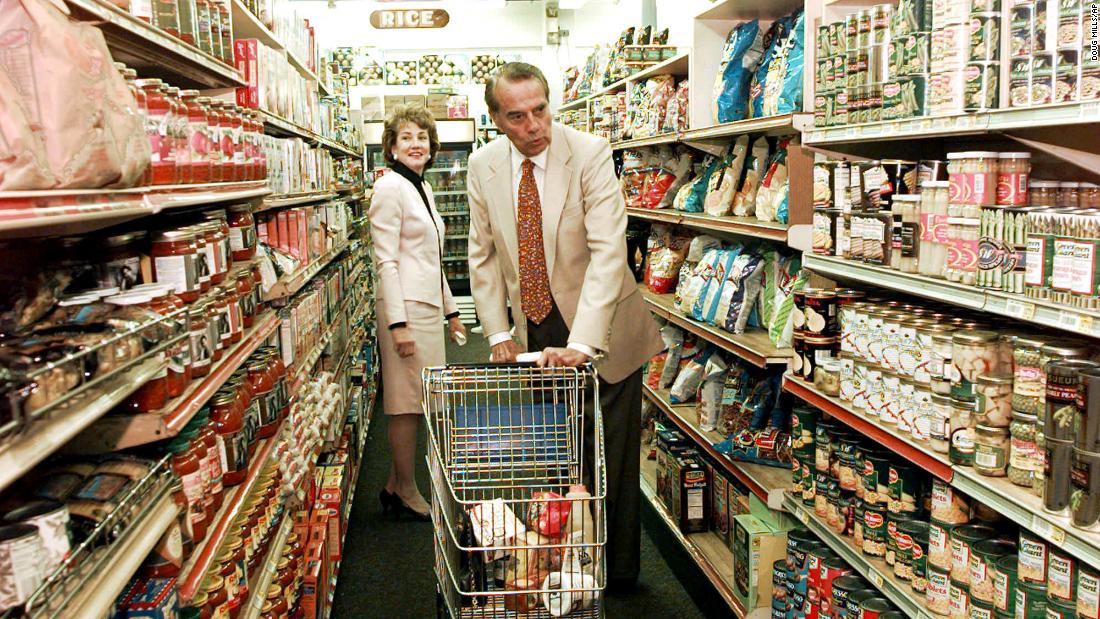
548,234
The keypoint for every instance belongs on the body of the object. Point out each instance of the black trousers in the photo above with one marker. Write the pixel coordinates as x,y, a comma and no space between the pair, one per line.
621,405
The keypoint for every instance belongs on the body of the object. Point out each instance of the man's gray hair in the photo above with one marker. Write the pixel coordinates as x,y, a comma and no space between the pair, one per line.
512,72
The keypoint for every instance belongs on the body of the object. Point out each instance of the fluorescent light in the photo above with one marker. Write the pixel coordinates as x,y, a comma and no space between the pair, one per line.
571,5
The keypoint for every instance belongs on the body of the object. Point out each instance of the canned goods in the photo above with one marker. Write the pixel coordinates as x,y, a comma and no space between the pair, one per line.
938,595
1033,557
21,555
1004,584
983,559
893,521
856,600
874,608
1085,496
949,506
963,539
874,530
919,565
832,568
1059,610
1088,593
1031,600
1061,575
904,487
958,600
939,545
843,587
981,610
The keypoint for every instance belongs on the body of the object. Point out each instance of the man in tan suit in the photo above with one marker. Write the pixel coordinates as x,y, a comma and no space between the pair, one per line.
548,235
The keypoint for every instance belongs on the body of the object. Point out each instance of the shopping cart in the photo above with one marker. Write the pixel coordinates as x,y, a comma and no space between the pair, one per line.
500,436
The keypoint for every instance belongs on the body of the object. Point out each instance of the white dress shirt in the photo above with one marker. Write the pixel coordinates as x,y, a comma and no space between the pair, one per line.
539,170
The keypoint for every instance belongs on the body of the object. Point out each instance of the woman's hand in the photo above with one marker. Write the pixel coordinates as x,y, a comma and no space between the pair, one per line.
456,328
403,342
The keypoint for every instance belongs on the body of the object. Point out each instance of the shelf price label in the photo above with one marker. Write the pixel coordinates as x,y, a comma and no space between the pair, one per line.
1047,530
1074,321
1020,309
875,578
1090,111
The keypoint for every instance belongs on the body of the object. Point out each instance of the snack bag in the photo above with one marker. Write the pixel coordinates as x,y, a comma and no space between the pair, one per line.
739,297
709,409
696,199
666,255
688,380
774,186
722,184
740,58
547,513
744,203
790,91
682,169
772,40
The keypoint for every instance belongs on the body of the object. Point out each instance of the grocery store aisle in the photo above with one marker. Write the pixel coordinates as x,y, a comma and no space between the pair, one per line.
387,565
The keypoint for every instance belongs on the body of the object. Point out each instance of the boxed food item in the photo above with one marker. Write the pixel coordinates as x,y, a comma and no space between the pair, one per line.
149,598
670,444
458,106
391,102
719,512
437,105
904,98
756,547
776,520
416,100
1019,86
1066,76
980,90
690,494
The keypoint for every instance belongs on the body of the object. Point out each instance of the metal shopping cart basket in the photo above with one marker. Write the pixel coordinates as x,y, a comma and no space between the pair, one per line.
501,438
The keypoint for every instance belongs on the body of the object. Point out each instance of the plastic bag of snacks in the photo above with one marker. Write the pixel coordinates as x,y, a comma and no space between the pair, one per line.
722,184
709,409
742,53
771,447
690,377
696,249
661,89
789,98
682,168
740,292
781,327
673,338
744,203
54,140
706,307
734,416
697,198
666,254
773,186
678,356
690,291
773,39
676,114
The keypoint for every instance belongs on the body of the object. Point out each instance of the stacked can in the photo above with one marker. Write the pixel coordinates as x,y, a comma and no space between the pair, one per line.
1052,49
852,67
903,94
965,56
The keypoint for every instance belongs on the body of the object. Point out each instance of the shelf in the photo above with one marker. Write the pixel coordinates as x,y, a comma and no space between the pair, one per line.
291,283
247,26
676,66
257,592
76,211
216,533
1056,115
1025,509
769,483
98,595
46,436
748,9
1019,307
292,199
747,226
114,432
461,192
880,575
914,451
786,124
656,140
278,126
709,552
153,52
301,67
752,346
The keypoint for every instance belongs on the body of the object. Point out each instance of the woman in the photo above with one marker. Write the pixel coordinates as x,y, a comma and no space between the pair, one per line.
413,295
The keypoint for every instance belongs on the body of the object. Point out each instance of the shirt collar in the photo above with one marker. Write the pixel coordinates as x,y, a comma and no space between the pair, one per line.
517,158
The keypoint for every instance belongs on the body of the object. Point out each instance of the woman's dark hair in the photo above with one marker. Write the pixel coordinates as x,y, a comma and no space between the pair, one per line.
415,114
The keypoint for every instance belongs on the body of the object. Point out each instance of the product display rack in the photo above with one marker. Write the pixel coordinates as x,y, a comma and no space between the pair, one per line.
875,570
744,226
154,51
753,346
293,199
291,283
277,126
769,483
709,552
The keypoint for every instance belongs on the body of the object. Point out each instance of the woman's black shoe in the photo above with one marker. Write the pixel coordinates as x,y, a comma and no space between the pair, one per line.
393,503
388,500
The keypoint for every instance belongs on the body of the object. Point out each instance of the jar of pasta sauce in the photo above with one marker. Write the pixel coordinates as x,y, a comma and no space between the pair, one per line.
175,262
158,120
216,261
240,165
186,467
230,572
242,232
202,347
216,326
229,426
219,157
262,381
217,598
198,136
211,463
245,297
213,138
217,218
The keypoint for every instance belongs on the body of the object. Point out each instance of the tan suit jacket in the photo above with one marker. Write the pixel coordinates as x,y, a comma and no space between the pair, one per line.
407,248
584,235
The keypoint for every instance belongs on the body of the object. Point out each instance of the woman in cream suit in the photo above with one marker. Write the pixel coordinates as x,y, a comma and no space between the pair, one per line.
413,296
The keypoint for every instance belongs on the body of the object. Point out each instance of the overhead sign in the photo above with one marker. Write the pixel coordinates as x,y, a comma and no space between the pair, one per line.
392,19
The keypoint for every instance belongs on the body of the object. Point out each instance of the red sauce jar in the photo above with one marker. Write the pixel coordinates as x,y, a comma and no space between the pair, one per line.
232,439
260,379
245,297
279,376
202,347
198,447
214,327
152,395
214,119
225,124
216,262
179,355
231,574
198,603
240,167
185,465
215,491
175,262
257,288
261,154
250,409
284,575
278,607
139,96
198,135
236,546
158,119
180,122
242,232
233,309
217,218
217,598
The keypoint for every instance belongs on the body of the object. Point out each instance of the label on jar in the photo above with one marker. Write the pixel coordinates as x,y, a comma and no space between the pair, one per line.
909,351
242,238
1038,262
1032,559
939,546
181,272
122,273
962,446
202,347
1061,577
1012,188
1003,595
939,590
234,452
1088,595
1084,268
959,601
1025,455
990,457
934,228
161,141
21,558
1062,265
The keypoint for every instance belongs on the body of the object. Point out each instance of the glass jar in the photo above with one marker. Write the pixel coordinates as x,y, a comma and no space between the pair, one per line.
202,347
215,491
933,228
217,598
262,382
215,27
237,163
158,123
229,425
964,235
873,393
994,400
1013,170
245,297
198,134
1025,459
242,232
186,467
215,327
961,450
232,306
1028,387
974,353
991,450
214,131
939,423
178,133
202,25
973,178
226,34
906,212
1089,195
175,262
1069,195
1043,193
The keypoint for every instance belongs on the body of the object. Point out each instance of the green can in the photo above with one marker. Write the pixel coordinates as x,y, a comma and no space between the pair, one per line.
958,599
893,522
874,530
876,477
823,436
803,427
919,583
939,544
904,487
1005,582
1060,610
859,512
1061,576
983,561
981,610
1031,601
905,532
963,539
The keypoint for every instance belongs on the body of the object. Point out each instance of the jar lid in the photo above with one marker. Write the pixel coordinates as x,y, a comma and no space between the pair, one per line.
905,197
150,82
1023,417
1042,184
830,365
955,156
80,299
995,379
180,234
119,240
1065,348
975,154
214,214
213,583
1089,185
936,184
174,91
130,298
975,336
820,293
991,429
1020,155
274,592
189,93
1031,341
223,398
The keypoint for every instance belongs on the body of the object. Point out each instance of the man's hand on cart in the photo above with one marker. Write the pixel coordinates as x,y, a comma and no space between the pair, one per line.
505,352
562,357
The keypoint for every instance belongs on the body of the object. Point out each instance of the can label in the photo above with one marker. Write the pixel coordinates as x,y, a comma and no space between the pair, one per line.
1033,559
1088,595
1004,594
958,601
1061,577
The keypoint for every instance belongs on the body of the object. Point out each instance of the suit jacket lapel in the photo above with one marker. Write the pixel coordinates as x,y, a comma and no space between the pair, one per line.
499,200
558,173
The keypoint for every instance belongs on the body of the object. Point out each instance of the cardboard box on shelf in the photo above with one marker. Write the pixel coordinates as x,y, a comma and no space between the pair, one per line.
416,100
390,102
691,494
437,105
756,547
776,520
719,508
315,582
372,108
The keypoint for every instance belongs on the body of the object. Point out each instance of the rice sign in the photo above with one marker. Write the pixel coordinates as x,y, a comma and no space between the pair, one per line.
393,19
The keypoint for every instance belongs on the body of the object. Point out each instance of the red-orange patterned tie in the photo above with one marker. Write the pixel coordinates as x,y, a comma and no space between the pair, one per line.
534,285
